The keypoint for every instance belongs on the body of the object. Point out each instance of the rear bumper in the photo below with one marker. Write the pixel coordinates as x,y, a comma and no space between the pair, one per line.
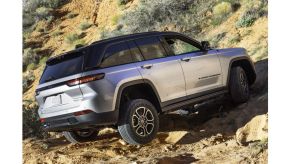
70,122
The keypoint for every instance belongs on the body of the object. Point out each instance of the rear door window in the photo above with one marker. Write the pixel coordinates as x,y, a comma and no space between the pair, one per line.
151,48
116,54
62,68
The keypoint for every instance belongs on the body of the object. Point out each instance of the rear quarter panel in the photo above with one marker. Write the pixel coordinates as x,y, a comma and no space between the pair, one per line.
101,95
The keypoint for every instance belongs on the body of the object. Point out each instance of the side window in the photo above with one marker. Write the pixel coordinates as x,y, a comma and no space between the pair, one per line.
136,54
151,48
116,54
179,46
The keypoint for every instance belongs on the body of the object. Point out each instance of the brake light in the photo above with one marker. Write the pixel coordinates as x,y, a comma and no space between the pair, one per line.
42,120
82,112
85,79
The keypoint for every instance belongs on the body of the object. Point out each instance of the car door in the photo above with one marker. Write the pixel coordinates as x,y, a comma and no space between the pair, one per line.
164,72
201,68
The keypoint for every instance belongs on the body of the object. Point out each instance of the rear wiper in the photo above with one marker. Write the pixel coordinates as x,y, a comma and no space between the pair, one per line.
50,78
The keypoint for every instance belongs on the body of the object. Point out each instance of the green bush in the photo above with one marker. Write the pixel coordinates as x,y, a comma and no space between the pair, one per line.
29,56
186,15
115,19
32,5
31,66
220,12
53,3
247,19
34,10
27,20
235,4
27,80
43,60
84,26
71,38
222,9
43,12
31,124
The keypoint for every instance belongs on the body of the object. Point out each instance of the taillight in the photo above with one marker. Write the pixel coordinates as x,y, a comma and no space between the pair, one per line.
85,79
42,120
83,112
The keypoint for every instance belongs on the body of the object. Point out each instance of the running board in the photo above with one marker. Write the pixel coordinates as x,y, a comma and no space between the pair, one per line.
193,101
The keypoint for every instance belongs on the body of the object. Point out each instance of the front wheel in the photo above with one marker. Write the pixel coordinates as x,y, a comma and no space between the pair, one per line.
81,135
239,85
139,122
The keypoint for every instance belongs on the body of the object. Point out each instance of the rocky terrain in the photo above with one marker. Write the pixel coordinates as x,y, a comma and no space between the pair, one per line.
219,133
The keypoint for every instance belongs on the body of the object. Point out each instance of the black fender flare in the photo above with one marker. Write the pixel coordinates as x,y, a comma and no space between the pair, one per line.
239,59
130,83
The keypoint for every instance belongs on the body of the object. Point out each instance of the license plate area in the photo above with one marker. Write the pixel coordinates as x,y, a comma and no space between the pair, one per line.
53,101
57,100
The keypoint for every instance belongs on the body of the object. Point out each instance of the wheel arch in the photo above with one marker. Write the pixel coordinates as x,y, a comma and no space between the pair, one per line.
247,65
133,90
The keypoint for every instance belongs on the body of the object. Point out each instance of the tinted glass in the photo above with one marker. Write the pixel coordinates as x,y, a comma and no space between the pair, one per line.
179,46
62,69
135,52
116,54
94,56
151,48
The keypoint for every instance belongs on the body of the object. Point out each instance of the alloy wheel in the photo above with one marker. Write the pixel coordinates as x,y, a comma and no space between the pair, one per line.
143,121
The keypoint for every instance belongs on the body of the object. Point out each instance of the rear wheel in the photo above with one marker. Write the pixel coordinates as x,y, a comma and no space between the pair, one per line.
139,122
239,85
81,135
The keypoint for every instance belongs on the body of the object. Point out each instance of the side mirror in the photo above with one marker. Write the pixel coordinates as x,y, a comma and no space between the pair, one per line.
205,45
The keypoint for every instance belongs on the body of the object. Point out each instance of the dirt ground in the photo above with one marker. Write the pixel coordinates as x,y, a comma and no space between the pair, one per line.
206,137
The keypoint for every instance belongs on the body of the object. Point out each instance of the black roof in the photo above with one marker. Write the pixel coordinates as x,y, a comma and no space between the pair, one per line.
128,36
133,36
115,39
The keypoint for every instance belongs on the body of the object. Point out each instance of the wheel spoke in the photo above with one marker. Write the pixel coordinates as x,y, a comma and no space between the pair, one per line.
150,121
151,116
145,131
139,115
141,133
135,116
151,127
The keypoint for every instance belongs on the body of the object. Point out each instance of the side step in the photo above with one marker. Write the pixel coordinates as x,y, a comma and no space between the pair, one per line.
195,101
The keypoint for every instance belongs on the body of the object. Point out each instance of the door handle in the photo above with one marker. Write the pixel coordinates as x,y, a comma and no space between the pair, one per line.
186,59
147,66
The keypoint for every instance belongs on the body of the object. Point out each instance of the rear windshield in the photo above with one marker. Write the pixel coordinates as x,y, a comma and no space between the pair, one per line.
62,69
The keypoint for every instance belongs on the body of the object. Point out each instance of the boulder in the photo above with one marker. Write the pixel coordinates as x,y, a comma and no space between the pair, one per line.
254,130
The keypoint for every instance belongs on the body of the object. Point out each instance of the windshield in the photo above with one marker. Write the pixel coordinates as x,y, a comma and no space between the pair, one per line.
62,69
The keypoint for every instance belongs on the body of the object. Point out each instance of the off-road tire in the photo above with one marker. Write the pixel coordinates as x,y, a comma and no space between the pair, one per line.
138,130
74,137
239,85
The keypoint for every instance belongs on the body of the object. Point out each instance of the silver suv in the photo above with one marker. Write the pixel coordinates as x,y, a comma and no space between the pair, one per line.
128,81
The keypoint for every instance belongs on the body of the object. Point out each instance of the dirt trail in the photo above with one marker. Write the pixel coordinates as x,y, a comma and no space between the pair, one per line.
204,138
